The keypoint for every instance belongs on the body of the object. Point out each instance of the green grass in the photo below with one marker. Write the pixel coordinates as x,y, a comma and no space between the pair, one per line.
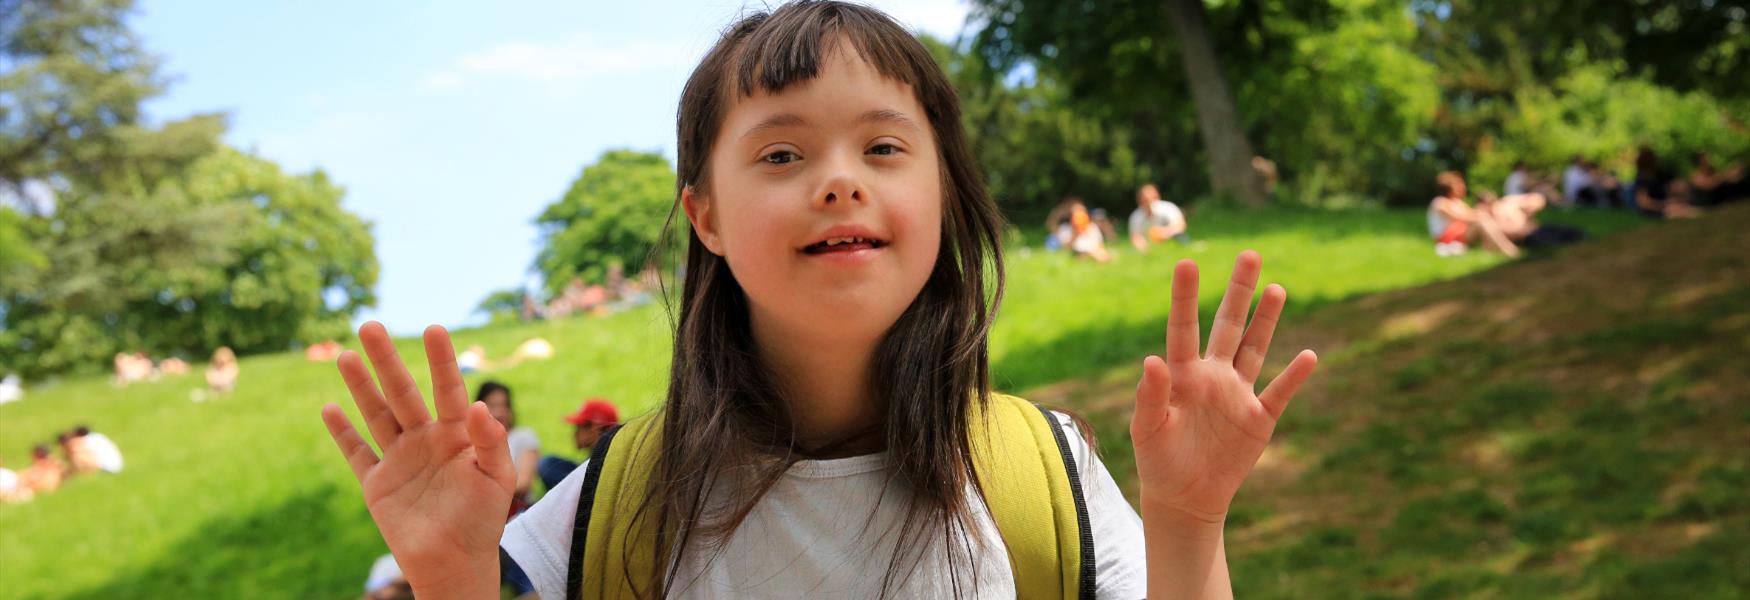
245,496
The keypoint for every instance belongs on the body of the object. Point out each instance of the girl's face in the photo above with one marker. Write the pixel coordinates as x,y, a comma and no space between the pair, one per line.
499,406
826,201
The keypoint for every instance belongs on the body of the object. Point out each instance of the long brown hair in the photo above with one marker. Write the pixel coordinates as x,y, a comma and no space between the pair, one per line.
724,413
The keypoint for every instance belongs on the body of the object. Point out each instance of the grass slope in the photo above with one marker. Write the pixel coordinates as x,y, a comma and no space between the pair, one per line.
245,496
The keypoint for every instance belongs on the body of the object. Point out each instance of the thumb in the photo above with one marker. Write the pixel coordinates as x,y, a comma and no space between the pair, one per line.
488,438
1153,398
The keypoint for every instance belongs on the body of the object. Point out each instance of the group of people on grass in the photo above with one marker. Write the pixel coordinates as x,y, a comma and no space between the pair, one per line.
1084,233
135,367
1508,223
616,293
592,419
82,451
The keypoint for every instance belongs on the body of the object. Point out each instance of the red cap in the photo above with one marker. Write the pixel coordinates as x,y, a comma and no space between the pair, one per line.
594,410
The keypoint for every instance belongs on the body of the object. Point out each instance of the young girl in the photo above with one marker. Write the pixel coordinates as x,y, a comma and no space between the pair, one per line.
830,360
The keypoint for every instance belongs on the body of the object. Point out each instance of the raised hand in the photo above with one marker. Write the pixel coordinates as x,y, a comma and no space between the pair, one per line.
441,490
1199,425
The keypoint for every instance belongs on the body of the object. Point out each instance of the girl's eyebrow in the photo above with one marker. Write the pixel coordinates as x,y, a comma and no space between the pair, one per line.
879,115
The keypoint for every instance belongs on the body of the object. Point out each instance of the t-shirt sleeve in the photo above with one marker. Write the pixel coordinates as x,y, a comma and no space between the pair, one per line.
1138,222
1120,566
539,540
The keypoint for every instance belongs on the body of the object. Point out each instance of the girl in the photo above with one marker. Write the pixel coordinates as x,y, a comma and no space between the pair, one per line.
830,357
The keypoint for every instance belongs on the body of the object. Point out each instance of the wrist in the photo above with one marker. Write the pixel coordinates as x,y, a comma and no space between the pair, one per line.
1195,523
478,579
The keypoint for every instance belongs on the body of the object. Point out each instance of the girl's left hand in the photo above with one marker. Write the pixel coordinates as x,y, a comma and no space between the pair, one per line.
1199,425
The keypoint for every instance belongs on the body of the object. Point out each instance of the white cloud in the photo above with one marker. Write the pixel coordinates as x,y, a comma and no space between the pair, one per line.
577,58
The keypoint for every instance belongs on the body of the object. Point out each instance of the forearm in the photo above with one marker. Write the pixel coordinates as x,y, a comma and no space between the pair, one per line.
1185,555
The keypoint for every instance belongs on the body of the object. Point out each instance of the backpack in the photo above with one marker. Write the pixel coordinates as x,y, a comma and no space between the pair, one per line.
1023,461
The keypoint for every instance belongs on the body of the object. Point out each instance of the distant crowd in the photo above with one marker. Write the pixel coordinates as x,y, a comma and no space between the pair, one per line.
1508,223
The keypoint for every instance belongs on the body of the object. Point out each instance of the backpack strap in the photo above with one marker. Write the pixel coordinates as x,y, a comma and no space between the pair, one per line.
607,515
1031,485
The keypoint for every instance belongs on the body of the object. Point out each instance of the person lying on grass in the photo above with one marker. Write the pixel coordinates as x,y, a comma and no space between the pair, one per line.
829,415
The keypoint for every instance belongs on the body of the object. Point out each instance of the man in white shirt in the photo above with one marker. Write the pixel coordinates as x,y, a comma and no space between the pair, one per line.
1517,181
1155,220
1575,180
103,450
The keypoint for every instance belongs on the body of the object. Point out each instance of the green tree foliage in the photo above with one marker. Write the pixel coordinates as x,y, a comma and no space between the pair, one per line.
1032,145
502,305
613,213
1331,91
233,252
121,236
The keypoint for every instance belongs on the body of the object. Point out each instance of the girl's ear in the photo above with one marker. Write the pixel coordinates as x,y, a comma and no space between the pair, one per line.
704,219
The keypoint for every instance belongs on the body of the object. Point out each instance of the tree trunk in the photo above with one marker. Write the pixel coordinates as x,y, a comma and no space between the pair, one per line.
1224,141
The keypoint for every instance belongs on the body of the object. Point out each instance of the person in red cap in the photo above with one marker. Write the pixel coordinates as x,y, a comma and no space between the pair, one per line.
592,419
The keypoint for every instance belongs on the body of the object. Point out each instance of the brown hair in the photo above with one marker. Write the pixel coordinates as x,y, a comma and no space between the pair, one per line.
1448,183
724,412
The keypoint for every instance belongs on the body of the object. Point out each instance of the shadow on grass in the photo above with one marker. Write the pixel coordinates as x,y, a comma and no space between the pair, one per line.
288,550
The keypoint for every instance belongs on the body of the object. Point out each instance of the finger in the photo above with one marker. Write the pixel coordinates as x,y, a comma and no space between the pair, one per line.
1153,397
398,386
384,428
1182,329
489,445
358,454
1250,359
448,391
1280,391
1230,318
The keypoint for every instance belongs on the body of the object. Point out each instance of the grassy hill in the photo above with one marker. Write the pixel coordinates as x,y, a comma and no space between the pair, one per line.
1534,425
1569,425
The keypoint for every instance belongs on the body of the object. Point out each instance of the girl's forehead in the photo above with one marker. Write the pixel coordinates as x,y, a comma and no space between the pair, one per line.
845,90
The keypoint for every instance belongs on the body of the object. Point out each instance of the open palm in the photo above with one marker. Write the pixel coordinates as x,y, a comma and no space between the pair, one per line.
441,490
1199,427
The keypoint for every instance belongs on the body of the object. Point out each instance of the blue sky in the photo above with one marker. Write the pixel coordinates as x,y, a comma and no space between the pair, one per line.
450,124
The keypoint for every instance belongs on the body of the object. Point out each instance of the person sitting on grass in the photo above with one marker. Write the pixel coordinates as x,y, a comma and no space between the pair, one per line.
1658,195
525,447
1516,216
1155,220
79,457
594,418
222,373
1709,186
103,452
1455,225
44,473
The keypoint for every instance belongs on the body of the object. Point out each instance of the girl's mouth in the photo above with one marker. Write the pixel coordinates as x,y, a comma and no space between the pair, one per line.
842,244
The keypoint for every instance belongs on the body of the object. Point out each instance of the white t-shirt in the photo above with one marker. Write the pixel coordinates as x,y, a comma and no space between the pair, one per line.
522,440
1160,213
827,529
1515,184
1574,180
105,452
8,480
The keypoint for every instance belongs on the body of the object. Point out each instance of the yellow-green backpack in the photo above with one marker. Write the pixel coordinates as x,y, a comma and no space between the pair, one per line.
1024,464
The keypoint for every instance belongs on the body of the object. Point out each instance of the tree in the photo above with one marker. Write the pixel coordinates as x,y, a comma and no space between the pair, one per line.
1030,142
1230,155
613,213
1333,92
72,77
232,253
160,239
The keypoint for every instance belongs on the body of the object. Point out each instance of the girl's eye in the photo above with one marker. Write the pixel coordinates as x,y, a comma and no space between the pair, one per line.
884,149
780,157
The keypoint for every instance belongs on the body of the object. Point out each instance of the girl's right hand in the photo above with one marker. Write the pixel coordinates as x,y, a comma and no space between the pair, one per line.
441,490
